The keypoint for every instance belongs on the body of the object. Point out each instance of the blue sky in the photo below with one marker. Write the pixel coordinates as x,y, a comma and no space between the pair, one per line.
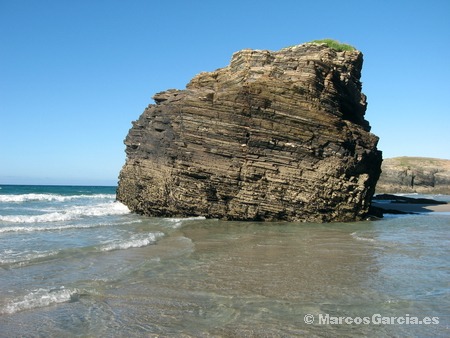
74,74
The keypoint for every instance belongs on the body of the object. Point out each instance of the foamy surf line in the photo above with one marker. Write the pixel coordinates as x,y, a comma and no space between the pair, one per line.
177,222
359,238
74,212
22,259
61,227
40,298
51,197
50,228
136,241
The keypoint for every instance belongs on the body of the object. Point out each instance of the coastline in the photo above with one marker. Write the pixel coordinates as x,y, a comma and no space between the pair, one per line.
397,204
411,208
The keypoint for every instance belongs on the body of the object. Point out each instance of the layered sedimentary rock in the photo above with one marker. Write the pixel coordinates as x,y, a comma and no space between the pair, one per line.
272,136
415,174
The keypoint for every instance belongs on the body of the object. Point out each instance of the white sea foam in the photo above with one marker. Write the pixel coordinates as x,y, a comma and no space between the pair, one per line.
70,213
51,197
40,298
177,222
359,238
49,228
59,227
10,257
135,241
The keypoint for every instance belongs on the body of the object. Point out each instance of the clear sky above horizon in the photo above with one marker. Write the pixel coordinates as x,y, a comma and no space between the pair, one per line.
74,74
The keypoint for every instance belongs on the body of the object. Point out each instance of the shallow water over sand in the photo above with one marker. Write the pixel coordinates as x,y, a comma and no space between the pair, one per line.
208,278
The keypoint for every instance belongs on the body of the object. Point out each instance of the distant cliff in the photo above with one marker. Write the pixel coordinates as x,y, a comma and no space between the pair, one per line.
415,174
272,136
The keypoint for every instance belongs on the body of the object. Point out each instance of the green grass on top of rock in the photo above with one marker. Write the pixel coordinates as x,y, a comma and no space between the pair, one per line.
334,44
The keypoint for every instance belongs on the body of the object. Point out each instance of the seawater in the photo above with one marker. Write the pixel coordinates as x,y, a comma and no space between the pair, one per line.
76,263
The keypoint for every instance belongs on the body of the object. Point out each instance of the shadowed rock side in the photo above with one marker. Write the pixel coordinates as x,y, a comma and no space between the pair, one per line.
273,136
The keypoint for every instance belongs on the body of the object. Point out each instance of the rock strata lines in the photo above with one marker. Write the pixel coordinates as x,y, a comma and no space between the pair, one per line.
272,136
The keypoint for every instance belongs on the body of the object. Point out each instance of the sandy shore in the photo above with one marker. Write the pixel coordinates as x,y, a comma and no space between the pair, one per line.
414,208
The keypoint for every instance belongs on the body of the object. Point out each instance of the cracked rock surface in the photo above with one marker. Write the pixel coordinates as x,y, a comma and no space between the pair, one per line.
272,136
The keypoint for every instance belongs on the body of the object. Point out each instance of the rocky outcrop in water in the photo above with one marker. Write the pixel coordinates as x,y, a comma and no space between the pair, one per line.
415,174
272,136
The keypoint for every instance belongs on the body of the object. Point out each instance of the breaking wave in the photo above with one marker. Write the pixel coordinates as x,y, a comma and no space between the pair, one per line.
50,197
177,222
59,227
48,228
40,298
70,213
359,238
10,257
135,241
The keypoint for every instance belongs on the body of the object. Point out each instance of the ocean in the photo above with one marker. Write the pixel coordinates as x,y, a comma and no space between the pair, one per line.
76,263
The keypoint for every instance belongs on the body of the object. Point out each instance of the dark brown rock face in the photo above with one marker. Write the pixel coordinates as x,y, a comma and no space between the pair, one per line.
273,136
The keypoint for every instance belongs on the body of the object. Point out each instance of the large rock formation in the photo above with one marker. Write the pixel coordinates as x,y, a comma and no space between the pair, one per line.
415,174
273,136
